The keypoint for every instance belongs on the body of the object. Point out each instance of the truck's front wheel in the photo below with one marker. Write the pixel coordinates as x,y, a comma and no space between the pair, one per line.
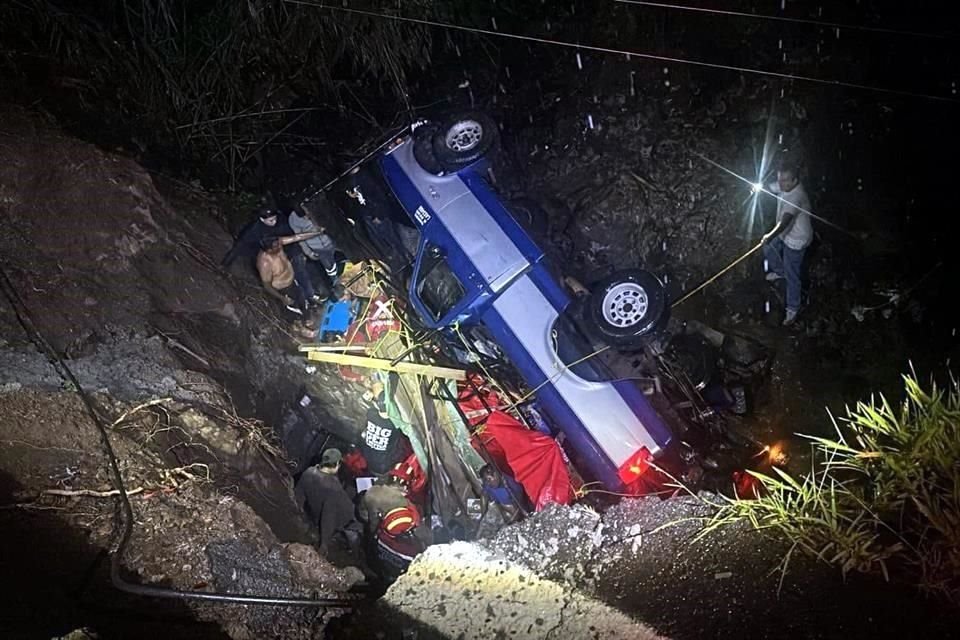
464,138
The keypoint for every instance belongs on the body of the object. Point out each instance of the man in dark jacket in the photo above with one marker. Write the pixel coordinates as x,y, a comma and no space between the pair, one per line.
269,224
325,501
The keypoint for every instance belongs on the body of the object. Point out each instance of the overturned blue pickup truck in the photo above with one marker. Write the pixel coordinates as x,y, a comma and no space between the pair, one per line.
466,262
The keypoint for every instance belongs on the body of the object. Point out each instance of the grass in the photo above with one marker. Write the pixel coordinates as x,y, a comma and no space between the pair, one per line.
882,497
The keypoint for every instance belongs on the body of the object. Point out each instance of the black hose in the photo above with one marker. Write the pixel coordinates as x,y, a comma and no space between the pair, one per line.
22,313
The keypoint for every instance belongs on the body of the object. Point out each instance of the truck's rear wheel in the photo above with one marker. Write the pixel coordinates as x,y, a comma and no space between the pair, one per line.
627,306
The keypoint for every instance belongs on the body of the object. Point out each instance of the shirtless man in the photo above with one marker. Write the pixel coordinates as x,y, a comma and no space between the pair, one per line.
276,273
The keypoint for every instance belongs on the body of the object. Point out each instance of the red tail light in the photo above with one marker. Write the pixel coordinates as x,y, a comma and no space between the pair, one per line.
635,466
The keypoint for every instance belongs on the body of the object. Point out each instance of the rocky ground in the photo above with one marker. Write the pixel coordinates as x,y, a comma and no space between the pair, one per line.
569,572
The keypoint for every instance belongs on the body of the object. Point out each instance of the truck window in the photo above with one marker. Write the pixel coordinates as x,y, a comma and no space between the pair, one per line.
437,287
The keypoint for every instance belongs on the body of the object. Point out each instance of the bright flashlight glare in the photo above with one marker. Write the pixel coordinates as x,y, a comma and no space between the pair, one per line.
757,187
776,454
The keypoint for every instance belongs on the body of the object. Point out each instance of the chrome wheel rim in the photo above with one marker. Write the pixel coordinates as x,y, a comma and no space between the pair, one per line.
464,135
625,305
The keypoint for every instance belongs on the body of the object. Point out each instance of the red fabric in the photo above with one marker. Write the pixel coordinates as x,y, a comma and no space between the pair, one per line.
380,318
532,458
354,337
355,462
477,400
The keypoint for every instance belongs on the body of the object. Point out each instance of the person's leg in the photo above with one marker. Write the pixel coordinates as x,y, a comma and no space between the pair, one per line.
302,274
299,305
319,277
773,254
300,299
792,263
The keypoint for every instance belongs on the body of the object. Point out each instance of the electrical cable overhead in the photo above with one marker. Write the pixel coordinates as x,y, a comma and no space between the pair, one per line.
807,21
626,52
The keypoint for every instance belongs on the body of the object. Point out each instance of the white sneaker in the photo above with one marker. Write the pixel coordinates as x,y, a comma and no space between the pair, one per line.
773,276
790,318
294,309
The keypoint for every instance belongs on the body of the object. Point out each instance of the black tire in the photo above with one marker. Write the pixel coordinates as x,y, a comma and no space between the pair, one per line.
627,306
464,138
423,148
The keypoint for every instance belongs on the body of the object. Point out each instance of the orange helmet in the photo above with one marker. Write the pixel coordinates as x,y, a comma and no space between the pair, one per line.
399,521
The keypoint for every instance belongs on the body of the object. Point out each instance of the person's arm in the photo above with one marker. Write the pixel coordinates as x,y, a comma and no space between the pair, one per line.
783,225
307,251
424,534
285,240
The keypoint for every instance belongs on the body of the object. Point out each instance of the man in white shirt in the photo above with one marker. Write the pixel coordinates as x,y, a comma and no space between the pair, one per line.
785,245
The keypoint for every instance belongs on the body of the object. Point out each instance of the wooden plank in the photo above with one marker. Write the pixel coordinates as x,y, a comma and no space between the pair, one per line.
332,347
386,365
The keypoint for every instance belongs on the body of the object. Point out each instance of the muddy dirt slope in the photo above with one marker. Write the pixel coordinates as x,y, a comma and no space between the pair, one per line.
180,359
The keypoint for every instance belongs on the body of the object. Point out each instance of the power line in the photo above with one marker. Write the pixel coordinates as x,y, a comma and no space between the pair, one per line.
647,56
762,16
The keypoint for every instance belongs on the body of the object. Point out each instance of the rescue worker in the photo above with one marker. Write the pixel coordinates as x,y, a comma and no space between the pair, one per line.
367,203
785,245
400,537
385,495
322,497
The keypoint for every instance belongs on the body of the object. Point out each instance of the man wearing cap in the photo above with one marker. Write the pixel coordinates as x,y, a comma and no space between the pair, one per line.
268,224
325,501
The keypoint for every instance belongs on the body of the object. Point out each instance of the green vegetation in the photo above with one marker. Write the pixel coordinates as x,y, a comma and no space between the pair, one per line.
883,497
